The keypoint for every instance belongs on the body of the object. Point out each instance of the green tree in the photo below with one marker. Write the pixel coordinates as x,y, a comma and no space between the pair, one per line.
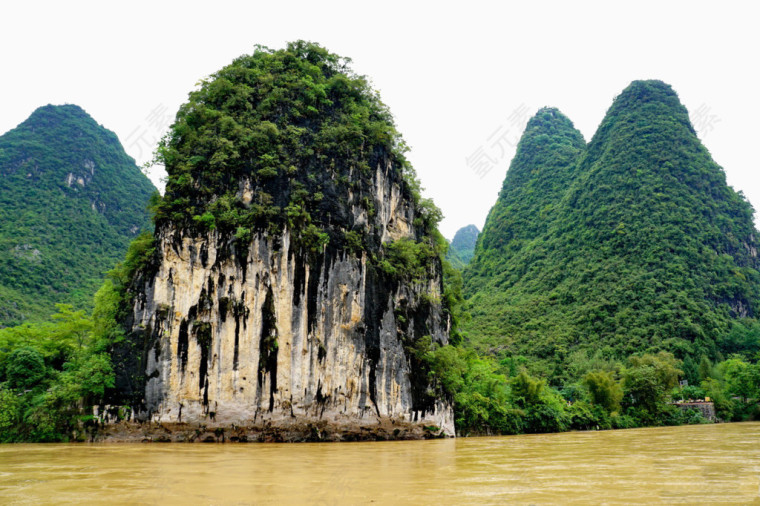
10,416
724,407
604,390
743,339
642,384
691,371
481,403
525,389
741,379
664,364
24,368
649,378
72,326
705,368
50,375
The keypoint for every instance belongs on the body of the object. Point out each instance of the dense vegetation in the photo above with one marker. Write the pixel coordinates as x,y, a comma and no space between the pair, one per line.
634,244
53,372
49,372
462,246
504,398
287,139
538,177
70,202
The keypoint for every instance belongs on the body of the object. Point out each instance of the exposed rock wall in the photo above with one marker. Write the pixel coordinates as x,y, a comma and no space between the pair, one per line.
270,337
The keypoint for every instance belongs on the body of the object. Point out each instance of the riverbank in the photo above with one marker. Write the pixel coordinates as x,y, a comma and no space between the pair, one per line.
295,432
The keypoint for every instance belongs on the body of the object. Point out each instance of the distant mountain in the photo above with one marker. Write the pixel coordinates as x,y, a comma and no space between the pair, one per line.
633,243
70,202
462,246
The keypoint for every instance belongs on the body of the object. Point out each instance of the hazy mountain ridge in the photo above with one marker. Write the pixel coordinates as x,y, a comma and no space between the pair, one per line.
462,246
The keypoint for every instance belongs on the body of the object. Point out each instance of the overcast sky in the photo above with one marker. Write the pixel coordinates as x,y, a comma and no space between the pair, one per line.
460,78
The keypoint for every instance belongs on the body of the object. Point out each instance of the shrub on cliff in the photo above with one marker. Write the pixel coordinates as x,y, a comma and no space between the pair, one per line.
300,131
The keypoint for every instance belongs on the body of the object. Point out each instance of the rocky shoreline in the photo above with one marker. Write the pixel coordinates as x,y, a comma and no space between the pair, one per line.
297,432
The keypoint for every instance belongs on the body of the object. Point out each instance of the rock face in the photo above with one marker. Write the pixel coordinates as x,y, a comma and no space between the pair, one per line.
262,335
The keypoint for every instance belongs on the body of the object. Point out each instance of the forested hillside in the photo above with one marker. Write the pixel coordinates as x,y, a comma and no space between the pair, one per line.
632,244
70,202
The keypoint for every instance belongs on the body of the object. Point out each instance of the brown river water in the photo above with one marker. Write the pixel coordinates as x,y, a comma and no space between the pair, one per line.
708,464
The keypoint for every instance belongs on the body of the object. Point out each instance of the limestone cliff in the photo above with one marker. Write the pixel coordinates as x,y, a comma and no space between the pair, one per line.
289,326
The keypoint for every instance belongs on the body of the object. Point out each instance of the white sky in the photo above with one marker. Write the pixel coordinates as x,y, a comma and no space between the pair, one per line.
453,74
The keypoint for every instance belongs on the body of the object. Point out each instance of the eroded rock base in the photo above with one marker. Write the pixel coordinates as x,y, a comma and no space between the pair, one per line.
387,430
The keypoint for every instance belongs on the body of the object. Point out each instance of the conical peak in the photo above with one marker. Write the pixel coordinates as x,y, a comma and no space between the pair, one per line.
465,237
551,121
643,104
550,113
56,113
640,219
65,109
648,90
48,119
538,175
648,95
550,140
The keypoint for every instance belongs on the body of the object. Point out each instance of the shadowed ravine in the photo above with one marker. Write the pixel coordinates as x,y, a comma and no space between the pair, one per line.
689,464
